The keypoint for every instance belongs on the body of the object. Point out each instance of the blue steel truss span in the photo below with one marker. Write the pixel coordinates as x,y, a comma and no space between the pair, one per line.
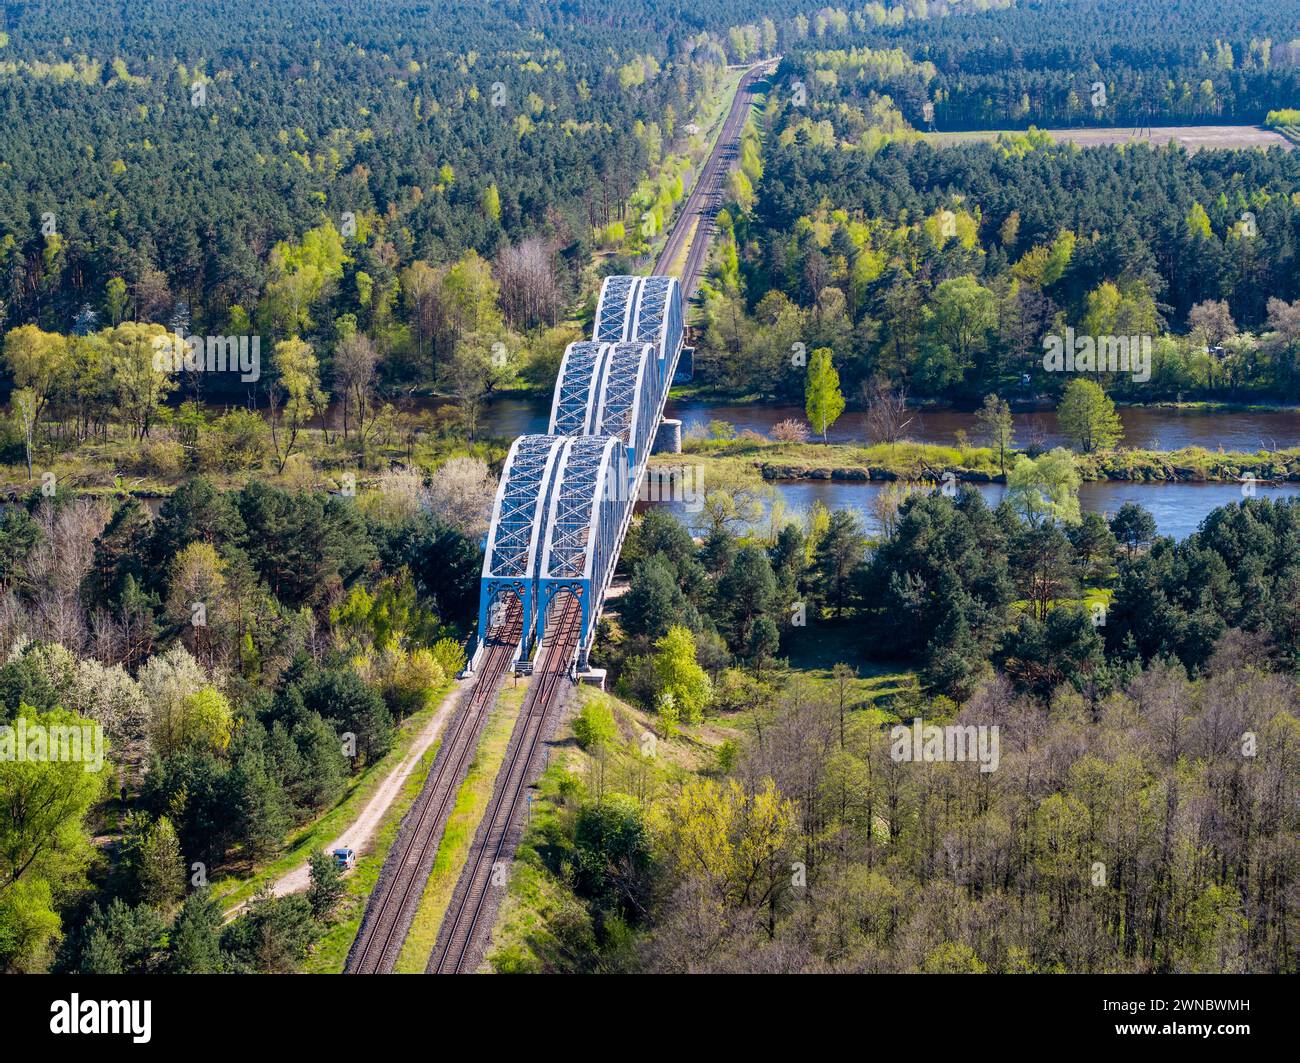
566,498
608,389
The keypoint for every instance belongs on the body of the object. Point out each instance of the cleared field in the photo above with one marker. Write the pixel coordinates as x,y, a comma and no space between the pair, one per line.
1192,137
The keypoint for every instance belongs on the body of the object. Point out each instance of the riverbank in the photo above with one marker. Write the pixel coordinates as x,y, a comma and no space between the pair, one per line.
692,392
926,461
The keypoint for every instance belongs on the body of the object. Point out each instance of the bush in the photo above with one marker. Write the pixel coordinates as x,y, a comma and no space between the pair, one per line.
163,458
407,679
450,654
790,431
612,845
234,442
594,725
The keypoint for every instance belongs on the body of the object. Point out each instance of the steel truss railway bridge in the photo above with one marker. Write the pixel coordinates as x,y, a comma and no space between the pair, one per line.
566,498
562,508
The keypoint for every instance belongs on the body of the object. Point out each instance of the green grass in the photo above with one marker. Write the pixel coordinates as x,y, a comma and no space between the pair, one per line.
679,262
523,941
1089,597
814,651
747,454
721,106
232,890
471,802
959,137
1209,406
1196,463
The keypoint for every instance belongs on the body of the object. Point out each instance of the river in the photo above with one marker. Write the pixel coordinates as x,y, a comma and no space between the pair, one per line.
1151,428
1178,508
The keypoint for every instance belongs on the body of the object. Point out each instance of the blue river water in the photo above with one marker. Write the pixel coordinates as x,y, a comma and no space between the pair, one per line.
1178,508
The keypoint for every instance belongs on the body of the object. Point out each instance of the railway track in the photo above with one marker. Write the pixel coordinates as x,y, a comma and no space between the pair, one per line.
394,901
706,197
463,936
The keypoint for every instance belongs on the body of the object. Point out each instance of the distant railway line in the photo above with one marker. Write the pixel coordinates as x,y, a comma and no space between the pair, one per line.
706,197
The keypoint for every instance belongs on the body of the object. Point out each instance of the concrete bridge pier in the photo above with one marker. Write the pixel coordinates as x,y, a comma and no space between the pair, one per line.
668,437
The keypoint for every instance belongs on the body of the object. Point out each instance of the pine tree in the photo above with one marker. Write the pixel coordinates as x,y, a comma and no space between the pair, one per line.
326,885
194,945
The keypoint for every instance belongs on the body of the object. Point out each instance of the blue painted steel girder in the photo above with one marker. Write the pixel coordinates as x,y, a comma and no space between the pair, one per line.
611,389
573,408
646,310
565,498
515,532
583,527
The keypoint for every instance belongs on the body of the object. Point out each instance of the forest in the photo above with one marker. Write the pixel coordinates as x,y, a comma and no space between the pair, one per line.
940,269
1096,62
177,163
380,220
1132,825
321,627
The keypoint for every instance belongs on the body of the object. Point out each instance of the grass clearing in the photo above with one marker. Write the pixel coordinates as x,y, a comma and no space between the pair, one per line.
752,451
1192,137
749,455
814,652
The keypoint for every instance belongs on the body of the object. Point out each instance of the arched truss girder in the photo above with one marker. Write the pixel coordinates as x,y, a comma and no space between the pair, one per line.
564,500
577,388
518,515
630,399
584,525
659,319
614,310
642,309
608,389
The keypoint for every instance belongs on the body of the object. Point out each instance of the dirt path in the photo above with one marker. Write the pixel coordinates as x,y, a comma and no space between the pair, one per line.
360,835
